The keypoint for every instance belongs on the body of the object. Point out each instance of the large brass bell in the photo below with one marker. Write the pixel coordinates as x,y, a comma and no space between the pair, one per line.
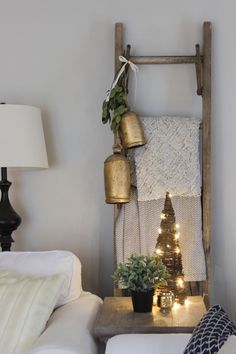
131,129
117,177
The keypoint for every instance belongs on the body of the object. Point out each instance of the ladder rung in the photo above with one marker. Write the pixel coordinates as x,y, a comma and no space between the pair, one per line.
164,59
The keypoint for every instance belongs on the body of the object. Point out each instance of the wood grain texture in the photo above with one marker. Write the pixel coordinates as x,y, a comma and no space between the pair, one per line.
206,158
118,45
117,317
118,52
170,59
198,67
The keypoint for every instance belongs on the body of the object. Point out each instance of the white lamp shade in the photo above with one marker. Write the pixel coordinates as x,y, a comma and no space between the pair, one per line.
22,142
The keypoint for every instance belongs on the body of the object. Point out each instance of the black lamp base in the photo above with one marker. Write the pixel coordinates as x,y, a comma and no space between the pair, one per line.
9,219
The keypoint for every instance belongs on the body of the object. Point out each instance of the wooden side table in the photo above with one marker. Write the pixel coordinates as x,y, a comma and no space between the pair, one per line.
117,317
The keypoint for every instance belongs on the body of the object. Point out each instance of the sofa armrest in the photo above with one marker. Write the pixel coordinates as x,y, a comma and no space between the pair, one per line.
70,328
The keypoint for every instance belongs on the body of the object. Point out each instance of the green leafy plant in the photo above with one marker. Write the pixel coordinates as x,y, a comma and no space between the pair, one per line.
141,273
116,105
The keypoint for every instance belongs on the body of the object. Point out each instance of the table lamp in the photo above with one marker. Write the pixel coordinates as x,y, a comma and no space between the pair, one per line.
22,145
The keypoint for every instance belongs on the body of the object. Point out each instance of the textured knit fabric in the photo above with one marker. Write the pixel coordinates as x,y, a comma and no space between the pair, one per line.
137,225
26,303
211,333
127,230
170,159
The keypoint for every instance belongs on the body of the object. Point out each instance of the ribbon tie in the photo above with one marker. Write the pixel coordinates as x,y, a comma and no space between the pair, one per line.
132,67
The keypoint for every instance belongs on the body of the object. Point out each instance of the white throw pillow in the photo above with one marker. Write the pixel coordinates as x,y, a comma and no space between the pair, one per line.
47,263
26,303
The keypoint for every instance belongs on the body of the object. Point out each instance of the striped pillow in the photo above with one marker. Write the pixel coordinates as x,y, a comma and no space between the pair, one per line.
26,303
211,333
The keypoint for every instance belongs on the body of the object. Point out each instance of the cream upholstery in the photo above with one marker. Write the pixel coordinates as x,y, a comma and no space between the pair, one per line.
157,344
70,327
48,263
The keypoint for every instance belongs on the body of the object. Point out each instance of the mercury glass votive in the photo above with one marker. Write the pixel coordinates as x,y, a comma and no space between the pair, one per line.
166,301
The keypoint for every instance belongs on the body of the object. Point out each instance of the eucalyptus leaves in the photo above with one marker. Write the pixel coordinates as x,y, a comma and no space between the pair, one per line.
115,106
141,273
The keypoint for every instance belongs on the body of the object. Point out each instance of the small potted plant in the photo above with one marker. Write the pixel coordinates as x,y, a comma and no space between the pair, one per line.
140,275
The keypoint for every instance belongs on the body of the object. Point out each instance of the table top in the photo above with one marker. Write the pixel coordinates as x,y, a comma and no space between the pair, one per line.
117,317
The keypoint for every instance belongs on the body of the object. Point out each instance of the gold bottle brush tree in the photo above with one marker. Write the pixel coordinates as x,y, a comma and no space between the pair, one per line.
168,251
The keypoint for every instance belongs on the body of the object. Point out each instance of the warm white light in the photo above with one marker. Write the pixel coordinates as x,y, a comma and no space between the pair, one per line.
160,230
177,226
159,251
163,216
176,306
177,250
170,195
155,299
186,302
180,282
177,235
168,246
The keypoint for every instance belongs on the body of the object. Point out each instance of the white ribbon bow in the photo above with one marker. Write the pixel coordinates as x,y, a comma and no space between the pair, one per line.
132,67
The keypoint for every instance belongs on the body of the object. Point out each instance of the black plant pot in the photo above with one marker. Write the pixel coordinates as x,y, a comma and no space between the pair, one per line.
142,300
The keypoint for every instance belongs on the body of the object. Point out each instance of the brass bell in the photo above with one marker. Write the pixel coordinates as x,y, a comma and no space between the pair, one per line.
131,129
117,177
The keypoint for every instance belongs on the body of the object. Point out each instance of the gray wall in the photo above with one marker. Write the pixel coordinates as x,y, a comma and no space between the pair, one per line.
58,55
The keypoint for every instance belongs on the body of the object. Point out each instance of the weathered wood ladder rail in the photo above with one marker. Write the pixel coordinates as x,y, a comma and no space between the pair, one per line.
203,74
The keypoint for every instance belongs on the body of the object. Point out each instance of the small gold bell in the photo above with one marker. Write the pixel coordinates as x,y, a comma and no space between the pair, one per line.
131,130
117,177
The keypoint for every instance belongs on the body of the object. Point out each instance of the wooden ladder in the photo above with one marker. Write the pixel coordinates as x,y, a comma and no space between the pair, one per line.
202,62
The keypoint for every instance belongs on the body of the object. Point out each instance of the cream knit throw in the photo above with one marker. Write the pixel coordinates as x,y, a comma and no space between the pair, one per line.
170,159
137,227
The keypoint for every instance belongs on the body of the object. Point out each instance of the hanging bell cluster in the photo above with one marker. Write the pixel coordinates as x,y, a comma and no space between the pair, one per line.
117,170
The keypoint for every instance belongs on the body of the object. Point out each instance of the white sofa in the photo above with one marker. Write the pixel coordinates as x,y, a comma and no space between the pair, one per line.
70,327
157,344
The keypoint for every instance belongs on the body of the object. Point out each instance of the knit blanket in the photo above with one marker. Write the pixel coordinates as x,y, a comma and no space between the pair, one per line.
170,159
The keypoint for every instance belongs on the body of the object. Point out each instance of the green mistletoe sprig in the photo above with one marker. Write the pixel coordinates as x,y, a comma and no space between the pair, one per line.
116,105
